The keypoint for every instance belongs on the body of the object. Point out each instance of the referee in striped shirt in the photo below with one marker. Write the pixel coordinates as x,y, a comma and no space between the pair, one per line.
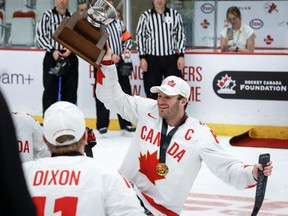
120,42
161,44
63,87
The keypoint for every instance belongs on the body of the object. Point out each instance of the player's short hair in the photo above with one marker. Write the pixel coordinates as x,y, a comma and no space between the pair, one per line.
62,150
181,97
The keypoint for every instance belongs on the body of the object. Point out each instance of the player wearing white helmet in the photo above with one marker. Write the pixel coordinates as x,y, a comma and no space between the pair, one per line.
70,182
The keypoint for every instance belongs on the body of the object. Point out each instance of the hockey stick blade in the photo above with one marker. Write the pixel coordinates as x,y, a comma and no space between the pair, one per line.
261,184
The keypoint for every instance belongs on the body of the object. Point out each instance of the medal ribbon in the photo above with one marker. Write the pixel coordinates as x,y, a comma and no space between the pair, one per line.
166,139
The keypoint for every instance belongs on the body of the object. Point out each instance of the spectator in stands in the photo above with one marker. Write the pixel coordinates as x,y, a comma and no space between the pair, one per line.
29,136
161,48
239,37
14,196
60,65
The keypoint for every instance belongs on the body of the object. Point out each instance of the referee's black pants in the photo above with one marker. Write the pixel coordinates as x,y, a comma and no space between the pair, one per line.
159,67
103,114
62,88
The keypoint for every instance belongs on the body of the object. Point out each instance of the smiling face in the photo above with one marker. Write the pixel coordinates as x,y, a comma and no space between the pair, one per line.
171,108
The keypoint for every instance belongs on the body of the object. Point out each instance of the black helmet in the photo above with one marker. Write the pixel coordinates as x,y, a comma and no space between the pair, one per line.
62,66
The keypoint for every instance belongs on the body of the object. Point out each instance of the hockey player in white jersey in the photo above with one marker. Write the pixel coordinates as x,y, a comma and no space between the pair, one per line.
169,146
29,134
69,183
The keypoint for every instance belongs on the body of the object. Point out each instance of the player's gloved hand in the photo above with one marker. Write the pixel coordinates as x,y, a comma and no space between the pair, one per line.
91,139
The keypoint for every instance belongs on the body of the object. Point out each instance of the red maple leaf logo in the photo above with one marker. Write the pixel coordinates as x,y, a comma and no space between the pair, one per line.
268,39
171,83
222,82
148,163
205,23
272,7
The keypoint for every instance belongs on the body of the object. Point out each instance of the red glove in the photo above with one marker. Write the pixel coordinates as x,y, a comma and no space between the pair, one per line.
91,139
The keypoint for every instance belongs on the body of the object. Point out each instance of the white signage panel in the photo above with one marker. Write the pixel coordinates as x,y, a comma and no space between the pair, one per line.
221,86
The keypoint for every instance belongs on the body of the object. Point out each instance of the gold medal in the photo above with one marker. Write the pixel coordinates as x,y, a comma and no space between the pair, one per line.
162,169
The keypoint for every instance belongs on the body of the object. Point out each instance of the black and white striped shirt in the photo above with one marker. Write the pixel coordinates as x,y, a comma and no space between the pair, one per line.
46,27
160,34
115,30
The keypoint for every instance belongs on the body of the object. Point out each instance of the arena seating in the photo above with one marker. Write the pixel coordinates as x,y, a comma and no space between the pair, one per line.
22,33
2,28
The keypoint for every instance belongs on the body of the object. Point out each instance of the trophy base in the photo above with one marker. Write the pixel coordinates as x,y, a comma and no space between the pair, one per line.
82,38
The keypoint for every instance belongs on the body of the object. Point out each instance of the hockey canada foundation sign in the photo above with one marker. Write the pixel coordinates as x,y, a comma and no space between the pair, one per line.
251,85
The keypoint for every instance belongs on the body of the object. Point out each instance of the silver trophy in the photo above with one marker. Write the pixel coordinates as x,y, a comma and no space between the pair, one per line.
100,13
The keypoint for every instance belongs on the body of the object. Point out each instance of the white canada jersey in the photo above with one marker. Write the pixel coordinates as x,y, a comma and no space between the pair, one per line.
79,185
192,143
29,137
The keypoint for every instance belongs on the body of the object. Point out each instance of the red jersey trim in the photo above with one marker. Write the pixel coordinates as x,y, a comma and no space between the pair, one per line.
250,186
107,62
125,180
159,207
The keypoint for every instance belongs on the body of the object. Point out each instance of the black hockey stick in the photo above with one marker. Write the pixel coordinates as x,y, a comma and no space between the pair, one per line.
261,184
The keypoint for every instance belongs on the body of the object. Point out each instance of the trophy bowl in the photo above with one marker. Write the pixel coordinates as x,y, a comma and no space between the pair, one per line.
100,13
